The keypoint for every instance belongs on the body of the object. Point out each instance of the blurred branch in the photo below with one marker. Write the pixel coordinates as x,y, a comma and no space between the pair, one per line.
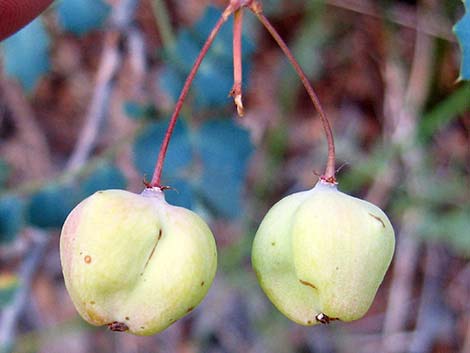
434,319
121,18
433,24
137,59
67,175
35,149
401,109
11,313
404,266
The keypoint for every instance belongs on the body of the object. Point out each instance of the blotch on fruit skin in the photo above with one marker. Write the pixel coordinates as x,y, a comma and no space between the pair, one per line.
377,218
87,259
92,302
202,283
190,309
127,318
305,283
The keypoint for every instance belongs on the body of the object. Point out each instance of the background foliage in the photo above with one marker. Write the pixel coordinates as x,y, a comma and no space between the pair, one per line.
401,123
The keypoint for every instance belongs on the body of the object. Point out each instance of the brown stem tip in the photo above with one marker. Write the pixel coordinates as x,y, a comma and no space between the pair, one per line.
325,319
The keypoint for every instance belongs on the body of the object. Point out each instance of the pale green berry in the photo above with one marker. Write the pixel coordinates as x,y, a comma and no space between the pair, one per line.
134,262
321,255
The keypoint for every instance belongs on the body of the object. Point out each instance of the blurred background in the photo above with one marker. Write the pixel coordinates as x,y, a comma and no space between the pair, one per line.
85,95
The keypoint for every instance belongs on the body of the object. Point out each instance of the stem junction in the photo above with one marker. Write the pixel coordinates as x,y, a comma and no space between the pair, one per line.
236,7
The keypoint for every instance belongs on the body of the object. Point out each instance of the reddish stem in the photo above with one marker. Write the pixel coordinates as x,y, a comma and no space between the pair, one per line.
236,91
184,92
329,175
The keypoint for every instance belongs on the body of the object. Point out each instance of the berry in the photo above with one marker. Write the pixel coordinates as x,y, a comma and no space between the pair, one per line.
320,255
134,262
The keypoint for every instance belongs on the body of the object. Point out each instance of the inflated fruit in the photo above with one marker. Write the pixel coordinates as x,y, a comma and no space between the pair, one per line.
320,255
134,262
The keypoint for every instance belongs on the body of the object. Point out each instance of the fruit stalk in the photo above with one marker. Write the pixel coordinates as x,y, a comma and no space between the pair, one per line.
184,92
236,91
329,174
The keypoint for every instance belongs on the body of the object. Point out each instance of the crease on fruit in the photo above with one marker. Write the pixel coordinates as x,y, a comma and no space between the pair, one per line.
152,252
378,219
308,284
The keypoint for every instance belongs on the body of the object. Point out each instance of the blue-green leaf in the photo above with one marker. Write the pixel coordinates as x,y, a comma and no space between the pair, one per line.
171,81
147,146
185,51
181,193
214,78
105,176
138,111
11,217
26,54
222,46
5,172
82,16
462,31
224,149
213,83
49,207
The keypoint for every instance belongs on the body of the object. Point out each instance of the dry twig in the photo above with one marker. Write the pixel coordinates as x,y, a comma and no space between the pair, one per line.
121,17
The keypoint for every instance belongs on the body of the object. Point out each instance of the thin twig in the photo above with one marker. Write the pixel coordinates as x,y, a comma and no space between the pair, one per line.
184,92
330,170
402,107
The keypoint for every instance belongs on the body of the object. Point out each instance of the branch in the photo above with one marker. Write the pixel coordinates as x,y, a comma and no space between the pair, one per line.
330,170
433,25
121,17
401,117
156,178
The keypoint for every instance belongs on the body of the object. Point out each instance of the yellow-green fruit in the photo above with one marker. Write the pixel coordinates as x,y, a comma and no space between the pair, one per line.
134,262
321,255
